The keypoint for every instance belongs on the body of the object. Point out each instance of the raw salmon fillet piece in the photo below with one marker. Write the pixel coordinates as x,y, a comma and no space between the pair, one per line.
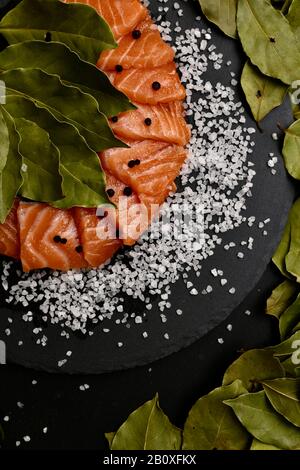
133,218
142,48
150,86
164,122
157,166
9,237
48,238
121,15
97,234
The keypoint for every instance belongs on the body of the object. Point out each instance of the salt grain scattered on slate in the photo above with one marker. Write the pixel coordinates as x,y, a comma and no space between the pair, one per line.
217,179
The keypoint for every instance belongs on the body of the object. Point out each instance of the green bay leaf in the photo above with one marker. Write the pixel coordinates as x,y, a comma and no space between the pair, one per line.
285,348
223,14
212,425
10,176
263,93
292,259
293,17
77,25
252,367
257,445
291,365
281,298
291,150
4,141
110,437
282,250
257,415
289,318
284,395
57,59
266,36
82,177
40,163
66,103
147,428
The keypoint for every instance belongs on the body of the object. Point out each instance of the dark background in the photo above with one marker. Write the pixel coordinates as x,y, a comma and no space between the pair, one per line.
78,420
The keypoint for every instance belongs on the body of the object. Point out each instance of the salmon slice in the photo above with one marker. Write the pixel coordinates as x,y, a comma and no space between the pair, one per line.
142,48
9,237
149,168
133,217
121,15
158,85
164,122
48,238
97,230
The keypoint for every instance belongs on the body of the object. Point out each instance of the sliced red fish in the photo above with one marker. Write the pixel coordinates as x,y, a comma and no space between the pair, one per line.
121,15
132,216
97,230
48,238
141,48
148,167
9,237
153,86
163,122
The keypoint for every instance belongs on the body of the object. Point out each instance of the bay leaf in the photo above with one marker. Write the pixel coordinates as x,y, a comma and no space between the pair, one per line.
293,17
284,396
10,176
223,14
57,59
263,93
110,437
252,367
77,25
82,177
292,259
291,150
282,250
257,445
147,428
66,103
266,35
289,318
40,163
257,415
281,298
212,425
4,142
285,348
291,368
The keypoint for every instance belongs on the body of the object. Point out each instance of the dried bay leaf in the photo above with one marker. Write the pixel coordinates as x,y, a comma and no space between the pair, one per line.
291,150
10,176
77,25
284,395
285,348
40,163
293,17
147,428
82,177
282,250
212,425
252,367
223,14
66,103
281,298
289,318
266,36
257,415
57,59
257,445
4,141
263,93
292,259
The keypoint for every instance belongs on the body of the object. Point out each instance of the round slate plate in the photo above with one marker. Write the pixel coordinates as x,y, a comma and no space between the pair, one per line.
272,198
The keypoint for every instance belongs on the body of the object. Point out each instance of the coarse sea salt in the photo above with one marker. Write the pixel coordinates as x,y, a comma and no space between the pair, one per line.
215,183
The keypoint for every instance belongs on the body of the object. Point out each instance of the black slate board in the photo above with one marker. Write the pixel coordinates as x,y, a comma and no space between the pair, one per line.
272,197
